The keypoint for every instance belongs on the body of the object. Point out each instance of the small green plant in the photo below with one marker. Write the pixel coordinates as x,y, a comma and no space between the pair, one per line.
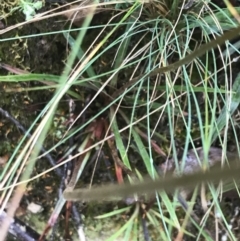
29,7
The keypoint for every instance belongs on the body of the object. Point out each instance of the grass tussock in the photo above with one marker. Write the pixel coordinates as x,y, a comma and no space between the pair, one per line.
98,92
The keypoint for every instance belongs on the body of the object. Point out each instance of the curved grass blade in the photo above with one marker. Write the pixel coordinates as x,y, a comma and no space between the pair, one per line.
228,110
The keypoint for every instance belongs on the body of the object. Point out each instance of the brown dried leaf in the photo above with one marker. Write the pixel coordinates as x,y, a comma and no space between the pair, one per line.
80,11
3,159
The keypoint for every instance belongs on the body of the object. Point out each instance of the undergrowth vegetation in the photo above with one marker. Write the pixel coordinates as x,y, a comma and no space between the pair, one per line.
98,92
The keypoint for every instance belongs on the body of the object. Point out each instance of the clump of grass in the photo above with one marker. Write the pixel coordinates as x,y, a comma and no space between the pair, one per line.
147,116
